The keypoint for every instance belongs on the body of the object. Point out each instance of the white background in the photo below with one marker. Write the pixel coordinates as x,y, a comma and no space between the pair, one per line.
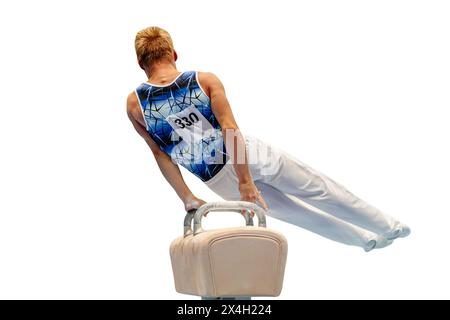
359,90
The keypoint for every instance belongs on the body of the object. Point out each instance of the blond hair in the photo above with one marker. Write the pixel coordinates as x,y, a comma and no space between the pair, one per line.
153,44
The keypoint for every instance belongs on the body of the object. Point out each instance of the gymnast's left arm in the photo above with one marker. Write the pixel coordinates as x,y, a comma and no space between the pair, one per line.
169,169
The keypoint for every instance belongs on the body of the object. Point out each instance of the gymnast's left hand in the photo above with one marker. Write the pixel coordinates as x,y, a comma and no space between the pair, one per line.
192,202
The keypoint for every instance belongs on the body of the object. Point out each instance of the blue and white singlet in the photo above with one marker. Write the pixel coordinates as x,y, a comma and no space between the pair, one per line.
179,119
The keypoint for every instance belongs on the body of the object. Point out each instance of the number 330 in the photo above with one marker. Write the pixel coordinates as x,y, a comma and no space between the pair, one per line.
188,121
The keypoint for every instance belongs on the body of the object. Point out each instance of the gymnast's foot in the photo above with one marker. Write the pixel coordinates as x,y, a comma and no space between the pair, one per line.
377,243
401,231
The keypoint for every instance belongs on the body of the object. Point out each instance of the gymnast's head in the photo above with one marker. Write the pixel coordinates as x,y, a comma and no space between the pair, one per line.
154,45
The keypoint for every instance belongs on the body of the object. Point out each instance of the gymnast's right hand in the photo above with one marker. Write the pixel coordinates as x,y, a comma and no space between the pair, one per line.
250,193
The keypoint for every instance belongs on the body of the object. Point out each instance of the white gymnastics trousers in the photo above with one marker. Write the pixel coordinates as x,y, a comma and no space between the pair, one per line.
300,195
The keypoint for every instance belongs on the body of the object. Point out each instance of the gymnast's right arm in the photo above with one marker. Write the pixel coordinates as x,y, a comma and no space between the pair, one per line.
168,168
